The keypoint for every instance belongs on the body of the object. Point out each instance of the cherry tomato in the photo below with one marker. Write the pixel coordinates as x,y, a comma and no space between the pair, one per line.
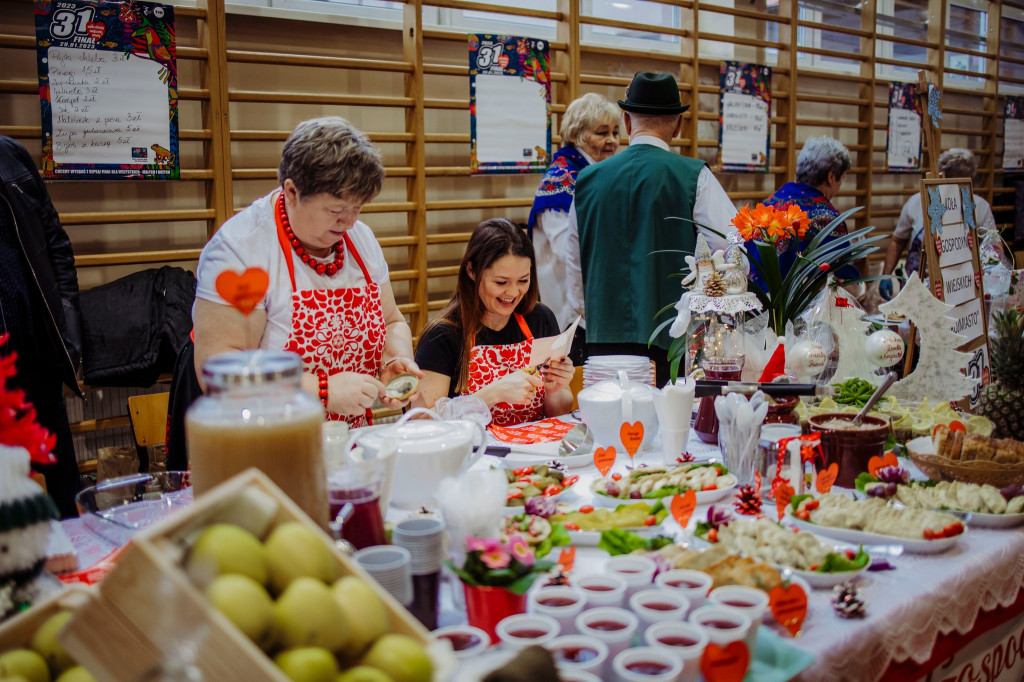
814,567
586,509
616,477
803,514
570,525
552,489
850,554
811,505
524,479
571,480
928,534
710,486
713,535
514,494
650,520
527,471
953,529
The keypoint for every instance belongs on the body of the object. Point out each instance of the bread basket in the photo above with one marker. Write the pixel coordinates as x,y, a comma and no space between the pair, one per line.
922,454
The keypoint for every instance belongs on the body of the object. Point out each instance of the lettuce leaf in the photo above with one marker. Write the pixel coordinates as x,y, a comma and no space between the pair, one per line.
837,562
619,541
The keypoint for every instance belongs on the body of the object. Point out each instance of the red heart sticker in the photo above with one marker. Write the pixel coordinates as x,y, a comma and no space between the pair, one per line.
789,606
566,558
682,507
503,60
725,663
957,425
876,463
632,436
604,458
783,494
95,29
826,477
243,291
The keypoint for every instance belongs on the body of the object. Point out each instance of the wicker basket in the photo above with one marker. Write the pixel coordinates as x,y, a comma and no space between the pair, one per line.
978,471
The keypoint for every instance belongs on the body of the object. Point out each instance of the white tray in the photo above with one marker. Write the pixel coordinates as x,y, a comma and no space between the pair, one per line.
860,537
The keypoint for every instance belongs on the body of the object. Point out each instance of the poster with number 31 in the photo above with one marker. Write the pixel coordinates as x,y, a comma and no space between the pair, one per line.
509,104
108,89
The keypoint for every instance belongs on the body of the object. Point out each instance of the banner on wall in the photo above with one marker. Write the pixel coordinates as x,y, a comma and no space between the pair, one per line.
744,117
903,132
107,89
1013,135
509,104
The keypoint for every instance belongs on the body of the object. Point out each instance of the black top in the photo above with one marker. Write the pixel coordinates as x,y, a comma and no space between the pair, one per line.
439,349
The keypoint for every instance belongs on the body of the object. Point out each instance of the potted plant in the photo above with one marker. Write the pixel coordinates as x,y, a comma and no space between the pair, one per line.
496,575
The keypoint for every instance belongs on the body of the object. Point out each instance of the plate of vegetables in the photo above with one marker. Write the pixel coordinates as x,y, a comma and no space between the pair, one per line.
527,482
709,480
586,524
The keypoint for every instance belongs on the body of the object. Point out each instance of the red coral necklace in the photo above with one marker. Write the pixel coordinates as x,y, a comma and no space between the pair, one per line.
329,269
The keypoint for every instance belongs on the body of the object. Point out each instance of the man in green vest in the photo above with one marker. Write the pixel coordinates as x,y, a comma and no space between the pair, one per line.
623,212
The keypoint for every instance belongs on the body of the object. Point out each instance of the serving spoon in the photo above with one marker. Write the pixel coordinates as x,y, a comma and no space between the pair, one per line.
889,380
579,438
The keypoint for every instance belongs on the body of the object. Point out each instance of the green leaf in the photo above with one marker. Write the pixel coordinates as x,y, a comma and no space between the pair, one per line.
559,537
522,585
618,541
702,528
657,330
772,272
666,491
836,562
839,219
463,575
794,503
863,478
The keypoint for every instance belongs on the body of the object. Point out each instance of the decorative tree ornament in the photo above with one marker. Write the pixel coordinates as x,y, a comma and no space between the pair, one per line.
884,348
748,500
714,285
847,600
939,373
850,332
806,360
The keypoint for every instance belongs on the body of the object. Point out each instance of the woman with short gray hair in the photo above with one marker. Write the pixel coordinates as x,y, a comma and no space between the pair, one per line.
590,133
329,296
953,163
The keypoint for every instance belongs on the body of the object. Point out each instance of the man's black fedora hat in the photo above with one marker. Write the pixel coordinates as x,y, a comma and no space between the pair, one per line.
653,93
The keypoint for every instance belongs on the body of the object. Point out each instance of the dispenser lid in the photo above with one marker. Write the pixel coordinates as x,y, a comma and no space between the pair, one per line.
250,367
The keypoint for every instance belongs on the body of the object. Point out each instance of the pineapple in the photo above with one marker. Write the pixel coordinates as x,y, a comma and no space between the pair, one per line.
1002,400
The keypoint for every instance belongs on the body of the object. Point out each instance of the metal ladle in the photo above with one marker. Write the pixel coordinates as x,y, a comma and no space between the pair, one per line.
889,380
346,547
578,440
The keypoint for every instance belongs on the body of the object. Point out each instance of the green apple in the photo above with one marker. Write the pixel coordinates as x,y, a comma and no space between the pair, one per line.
294,551
361,605
306,614
245,603
16,678
308,664
46,645
401,657
26,663
225,548
363,673
76,674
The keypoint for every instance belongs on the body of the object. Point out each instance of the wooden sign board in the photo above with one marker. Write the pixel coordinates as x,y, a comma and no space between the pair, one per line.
951,245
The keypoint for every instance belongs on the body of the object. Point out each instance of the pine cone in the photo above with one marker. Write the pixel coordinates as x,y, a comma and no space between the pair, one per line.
748,501
714,285
847,601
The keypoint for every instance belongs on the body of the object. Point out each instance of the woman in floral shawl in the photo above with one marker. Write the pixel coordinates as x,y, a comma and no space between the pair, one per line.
590,133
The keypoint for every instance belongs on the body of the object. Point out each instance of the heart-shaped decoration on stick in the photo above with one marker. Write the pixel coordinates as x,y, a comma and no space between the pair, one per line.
604,459
725,663
783,494
826,477
682,507
789,606
632,436
876,463
243,291
566,559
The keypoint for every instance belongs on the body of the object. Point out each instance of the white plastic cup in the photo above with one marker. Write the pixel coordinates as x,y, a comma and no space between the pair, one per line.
656,606
723,625
466,641
637,571
647,664
526,629
423,536
602,590
685,640
673,444
597,624
566,675
694,585
389,566
750,601
564,603
573,646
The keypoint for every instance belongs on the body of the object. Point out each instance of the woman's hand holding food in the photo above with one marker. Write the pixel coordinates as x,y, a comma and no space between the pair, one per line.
352,393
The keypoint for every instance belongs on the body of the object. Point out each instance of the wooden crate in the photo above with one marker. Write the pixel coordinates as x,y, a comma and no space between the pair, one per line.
147,611
17,632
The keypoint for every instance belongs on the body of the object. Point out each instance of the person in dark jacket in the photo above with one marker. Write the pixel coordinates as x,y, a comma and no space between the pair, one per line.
39,308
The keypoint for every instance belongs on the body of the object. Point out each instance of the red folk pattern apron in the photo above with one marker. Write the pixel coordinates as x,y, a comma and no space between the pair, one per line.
487,364
336,330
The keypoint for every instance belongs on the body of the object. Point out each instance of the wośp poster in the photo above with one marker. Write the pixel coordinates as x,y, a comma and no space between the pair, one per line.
744,117
1013,135
509,104
107,89
903,133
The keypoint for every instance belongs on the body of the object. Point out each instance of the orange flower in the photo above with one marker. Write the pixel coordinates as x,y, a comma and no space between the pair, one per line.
744,222
798,219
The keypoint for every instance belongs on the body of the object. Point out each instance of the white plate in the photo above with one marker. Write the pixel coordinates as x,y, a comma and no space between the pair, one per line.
590,538
980,520
859,537
703,497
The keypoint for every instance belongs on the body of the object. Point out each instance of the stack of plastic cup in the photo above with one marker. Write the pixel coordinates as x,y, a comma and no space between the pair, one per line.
390,567
423,537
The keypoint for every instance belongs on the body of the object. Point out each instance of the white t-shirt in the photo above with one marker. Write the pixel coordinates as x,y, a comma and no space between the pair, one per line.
249,239
911,220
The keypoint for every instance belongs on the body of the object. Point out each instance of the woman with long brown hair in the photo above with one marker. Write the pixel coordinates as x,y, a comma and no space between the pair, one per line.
481,342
